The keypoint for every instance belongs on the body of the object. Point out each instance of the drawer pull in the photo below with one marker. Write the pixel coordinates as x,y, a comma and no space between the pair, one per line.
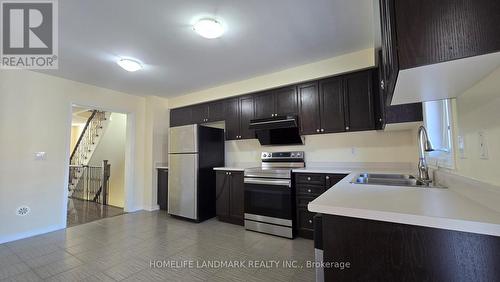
309,190
310,221
327,177
308,178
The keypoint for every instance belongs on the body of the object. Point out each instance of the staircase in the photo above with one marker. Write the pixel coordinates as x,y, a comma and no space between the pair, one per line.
85,182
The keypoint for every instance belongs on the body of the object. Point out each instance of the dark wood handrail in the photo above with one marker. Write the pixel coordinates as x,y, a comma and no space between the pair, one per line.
94,112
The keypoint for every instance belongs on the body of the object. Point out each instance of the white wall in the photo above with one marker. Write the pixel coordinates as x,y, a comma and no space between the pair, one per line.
368,146
35,115
372,146
112,147
156,134
478,111
336,65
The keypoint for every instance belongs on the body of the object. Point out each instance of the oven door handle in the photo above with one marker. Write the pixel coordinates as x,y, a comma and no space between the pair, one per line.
277,182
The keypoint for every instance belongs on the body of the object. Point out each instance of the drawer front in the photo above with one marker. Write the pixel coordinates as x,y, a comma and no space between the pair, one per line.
332,179
311,190
303,201
305,219
311,178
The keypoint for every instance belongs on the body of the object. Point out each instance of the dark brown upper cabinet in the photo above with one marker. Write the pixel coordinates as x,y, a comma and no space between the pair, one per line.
217,111
431,31
239,111
279,102
358,100
247,113
233,119
309,114
200,113
286,101
332,104
338,104
391,114
181,116
424,32
264,105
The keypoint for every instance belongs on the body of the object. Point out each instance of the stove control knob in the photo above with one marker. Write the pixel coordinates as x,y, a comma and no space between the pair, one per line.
293,155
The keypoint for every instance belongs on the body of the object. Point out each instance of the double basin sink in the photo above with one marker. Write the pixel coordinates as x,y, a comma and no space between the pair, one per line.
391,180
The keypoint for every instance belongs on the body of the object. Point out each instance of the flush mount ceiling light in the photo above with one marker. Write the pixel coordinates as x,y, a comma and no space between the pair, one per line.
208,28
129,65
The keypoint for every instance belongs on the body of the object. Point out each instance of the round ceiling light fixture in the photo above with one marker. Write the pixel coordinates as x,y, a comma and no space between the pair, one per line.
208,28
129,65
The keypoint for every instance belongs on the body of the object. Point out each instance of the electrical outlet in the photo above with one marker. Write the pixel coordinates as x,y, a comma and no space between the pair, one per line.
353,151
40,156
483,146
461,147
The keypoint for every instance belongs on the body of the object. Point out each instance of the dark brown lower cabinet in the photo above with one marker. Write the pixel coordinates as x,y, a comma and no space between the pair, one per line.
383,251
308,186
162,194
230,196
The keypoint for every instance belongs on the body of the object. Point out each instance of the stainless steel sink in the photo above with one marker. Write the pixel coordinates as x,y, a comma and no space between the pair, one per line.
386,176
391,180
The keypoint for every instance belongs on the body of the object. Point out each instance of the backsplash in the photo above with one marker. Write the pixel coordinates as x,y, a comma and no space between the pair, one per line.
367,146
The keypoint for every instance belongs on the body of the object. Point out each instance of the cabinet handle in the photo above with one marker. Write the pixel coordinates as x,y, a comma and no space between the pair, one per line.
309,190
229,173
308,178
380,119
317,130
327,177
310,221
322,130
347,128
382,84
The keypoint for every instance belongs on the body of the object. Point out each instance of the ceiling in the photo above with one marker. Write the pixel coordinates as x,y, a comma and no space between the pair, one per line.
261,37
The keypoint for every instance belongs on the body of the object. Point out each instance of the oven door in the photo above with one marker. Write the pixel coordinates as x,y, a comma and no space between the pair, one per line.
268,197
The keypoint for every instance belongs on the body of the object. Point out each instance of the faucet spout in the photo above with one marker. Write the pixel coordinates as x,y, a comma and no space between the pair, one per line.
424,145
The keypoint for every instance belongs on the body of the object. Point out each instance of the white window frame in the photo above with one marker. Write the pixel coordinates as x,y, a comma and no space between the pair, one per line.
443,157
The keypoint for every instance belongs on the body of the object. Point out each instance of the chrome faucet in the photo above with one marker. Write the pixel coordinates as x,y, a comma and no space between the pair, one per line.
424,145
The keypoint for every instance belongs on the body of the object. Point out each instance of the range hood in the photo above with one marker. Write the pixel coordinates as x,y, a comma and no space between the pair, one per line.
279,130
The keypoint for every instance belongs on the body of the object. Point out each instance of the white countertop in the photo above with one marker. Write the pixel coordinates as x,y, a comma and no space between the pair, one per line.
431,207
230,168
162,167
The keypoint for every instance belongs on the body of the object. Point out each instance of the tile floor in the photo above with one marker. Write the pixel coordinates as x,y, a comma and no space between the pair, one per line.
80,211
121,248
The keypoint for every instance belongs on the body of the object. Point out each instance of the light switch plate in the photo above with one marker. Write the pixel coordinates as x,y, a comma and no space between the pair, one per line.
483,146
40,156
461,147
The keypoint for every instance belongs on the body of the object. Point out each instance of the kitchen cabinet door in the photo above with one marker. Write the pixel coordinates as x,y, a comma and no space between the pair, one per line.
181,116
237,200
390,63
332,105
246,114
430,32
232,119
222,193
286,101
162,193
200,113
217,111
309,114
404,113
264,105
359,101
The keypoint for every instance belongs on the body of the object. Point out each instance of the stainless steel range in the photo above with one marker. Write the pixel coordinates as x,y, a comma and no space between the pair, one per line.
269,197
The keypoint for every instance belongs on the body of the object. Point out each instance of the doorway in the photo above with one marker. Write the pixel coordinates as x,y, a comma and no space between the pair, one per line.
96,184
